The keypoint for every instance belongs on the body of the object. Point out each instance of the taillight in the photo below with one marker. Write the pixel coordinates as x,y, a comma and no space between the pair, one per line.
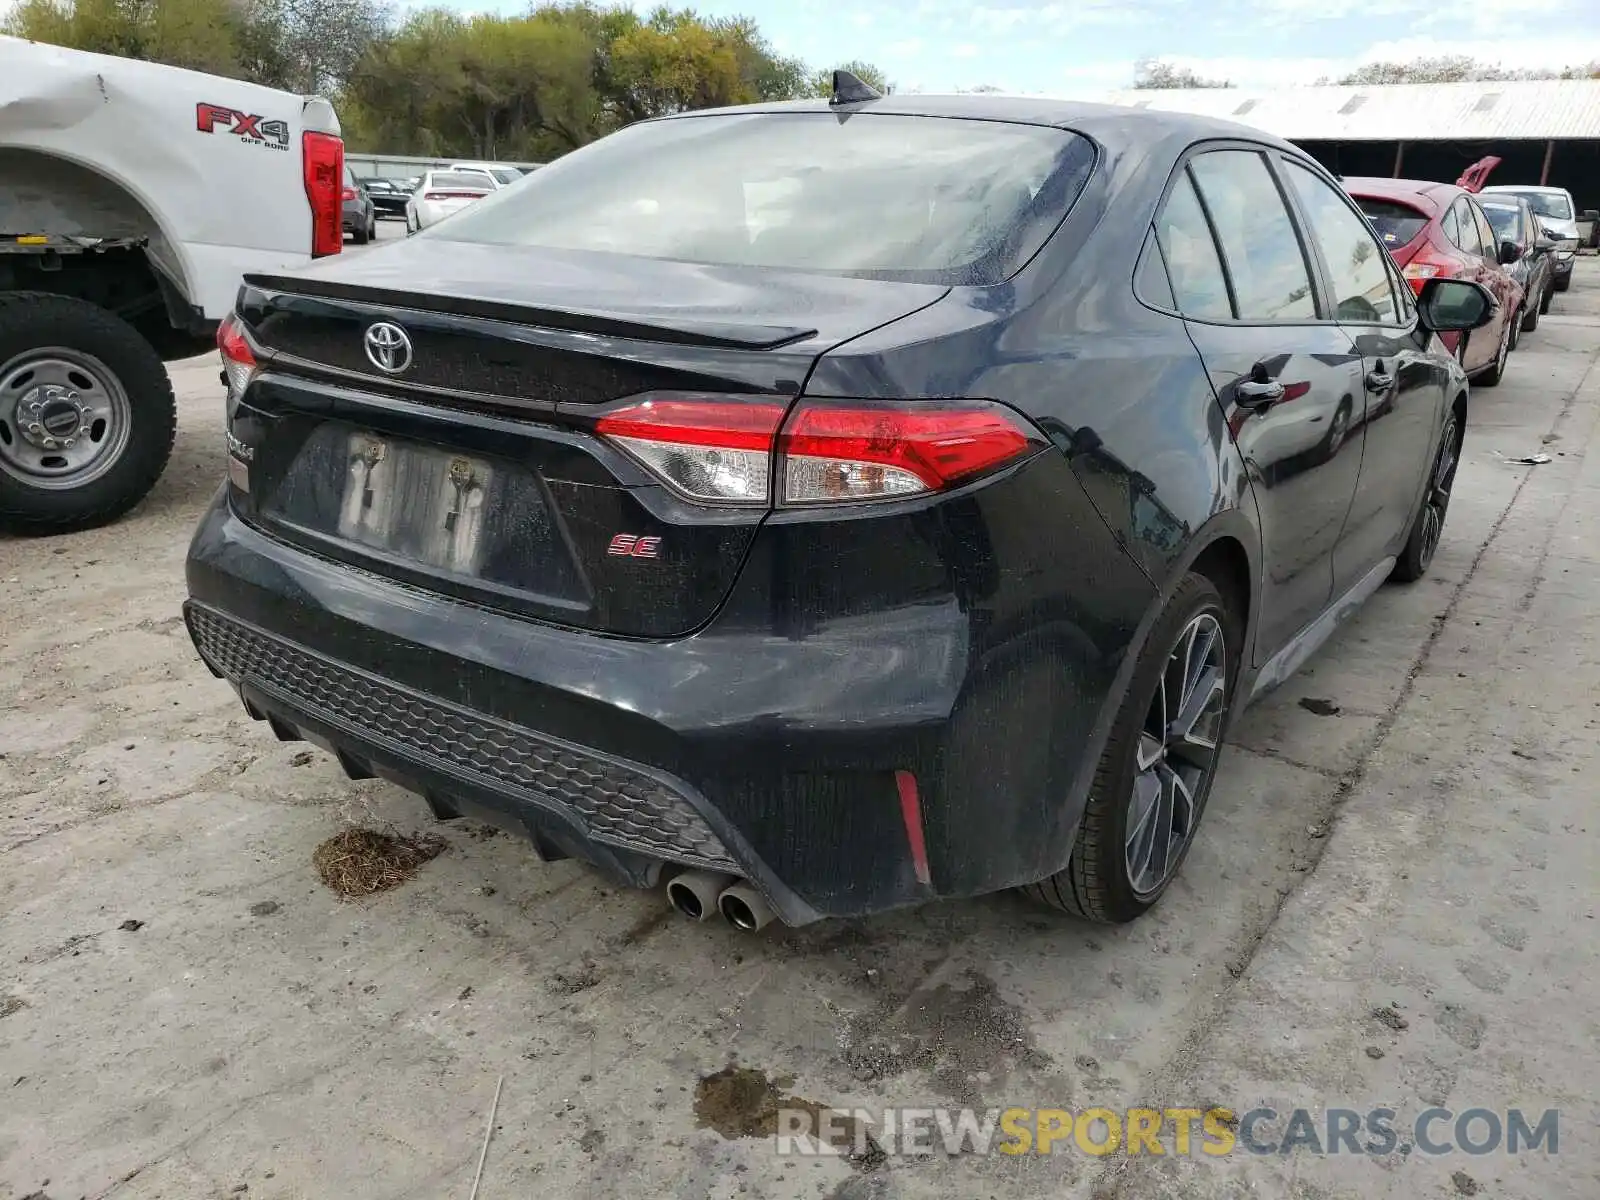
707,448
238,360
855,450
729,450
1419,271
348,194
323,158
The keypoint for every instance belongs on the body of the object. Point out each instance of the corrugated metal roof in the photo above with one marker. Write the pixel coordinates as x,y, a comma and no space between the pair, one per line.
1557,108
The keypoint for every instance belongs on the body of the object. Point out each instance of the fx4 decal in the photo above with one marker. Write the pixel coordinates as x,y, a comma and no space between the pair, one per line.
274,135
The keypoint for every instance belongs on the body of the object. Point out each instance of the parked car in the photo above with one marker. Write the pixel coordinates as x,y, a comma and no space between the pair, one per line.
502,175
1534,267
133,196
388,199
921,546
1559,216
360,217
442,193
1439,231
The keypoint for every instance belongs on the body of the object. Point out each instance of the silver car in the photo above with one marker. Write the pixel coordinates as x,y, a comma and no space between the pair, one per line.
1554,208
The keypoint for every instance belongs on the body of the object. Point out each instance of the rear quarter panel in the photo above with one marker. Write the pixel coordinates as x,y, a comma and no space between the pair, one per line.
226,201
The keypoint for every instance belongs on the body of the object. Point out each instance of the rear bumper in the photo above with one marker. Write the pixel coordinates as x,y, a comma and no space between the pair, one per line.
761,746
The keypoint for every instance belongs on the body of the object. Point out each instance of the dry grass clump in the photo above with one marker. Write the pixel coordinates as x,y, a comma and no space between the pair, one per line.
363,862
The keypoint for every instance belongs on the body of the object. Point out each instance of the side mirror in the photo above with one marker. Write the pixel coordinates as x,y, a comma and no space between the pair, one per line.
1550,233
1455,305
1509,253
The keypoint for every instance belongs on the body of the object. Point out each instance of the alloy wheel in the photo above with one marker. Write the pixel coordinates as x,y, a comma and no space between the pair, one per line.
1437,502
1176,754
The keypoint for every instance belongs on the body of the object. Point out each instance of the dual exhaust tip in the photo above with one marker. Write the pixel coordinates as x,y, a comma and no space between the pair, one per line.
700,895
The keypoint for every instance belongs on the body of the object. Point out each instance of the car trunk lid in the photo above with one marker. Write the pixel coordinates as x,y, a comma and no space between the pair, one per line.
447,437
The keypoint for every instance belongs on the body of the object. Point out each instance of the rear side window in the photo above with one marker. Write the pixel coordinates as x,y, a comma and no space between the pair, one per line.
1198,283
1450,225
1486,237
1397,224
925,199
462,180
1507,222
1265,263
1150,281
1356,261
1468,237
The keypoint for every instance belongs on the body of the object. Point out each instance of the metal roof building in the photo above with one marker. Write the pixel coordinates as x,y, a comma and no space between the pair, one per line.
1543,130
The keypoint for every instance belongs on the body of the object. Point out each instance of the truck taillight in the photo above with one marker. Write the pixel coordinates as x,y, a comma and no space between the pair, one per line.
323,157
731,450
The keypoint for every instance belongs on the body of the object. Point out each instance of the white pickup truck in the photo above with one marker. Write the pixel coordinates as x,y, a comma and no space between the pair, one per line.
133,196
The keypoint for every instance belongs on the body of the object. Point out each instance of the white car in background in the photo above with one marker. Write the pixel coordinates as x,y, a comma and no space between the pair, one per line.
1553,208
441,193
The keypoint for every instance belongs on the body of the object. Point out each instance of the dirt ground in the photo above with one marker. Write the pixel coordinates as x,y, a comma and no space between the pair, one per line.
187,1011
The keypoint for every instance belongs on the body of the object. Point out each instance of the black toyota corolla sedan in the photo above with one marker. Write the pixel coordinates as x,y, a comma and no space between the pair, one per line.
832,507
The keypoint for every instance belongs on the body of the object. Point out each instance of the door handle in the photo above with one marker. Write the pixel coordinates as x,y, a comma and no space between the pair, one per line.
1257,395
1379,381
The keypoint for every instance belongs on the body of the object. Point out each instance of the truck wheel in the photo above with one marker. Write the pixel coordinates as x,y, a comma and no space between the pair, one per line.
87,415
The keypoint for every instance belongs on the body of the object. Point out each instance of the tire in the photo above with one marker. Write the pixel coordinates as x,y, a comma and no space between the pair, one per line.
51,347
1564,282
1098,881
1530,319
1549,295
1496,370
1426,530
1515,321
361,236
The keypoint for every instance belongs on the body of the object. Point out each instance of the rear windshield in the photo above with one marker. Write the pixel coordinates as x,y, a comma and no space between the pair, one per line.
1507,222
1548,204
1396,223
879,196
459,180
506,175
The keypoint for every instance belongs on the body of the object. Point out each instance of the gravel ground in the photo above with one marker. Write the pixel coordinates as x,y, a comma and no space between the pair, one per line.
186,1011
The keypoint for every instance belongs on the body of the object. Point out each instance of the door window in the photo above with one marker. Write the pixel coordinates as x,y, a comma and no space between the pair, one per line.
1266,264
1198,283
1358,266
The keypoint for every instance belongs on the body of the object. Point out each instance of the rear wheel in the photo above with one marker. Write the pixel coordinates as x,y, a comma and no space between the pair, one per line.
1427,527
1530,318
1563,282
1497,369
1151,785
1549,295
87,415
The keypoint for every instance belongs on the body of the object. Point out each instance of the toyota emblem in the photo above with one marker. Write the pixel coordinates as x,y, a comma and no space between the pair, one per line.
388,347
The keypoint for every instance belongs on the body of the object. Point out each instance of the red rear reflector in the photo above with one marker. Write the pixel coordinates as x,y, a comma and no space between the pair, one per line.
859,450
323,159
911,816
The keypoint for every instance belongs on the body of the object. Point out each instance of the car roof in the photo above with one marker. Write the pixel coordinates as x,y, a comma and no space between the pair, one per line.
1430,196
1111,123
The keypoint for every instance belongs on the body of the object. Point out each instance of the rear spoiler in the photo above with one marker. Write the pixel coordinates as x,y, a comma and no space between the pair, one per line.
1476,176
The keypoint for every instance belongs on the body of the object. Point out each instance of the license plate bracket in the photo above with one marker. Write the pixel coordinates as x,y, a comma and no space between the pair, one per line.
417,501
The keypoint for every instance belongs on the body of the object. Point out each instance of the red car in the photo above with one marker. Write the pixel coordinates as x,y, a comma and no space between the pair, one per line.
1438,229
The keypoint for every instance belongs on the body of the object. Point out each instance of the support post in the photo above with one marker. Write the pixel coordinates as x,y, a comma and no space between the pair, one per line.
1549,153
1399,158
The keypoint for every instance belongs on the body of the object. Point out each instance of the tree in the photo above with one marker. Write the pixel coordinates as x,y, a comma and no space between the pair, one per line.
1456,68
185,33
325,39
1154,73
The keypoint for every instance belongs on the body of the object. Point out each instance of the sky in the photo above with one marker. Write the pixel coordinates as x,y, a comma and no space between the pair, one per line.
1087,47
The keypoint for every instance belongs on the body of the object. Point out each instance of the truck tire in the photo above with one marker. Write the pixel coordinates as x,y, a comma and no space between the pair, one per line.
87,415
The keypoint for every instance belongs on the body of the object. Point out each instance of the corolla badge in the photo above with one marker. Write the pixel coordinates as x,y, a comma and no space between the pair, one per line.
388,347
